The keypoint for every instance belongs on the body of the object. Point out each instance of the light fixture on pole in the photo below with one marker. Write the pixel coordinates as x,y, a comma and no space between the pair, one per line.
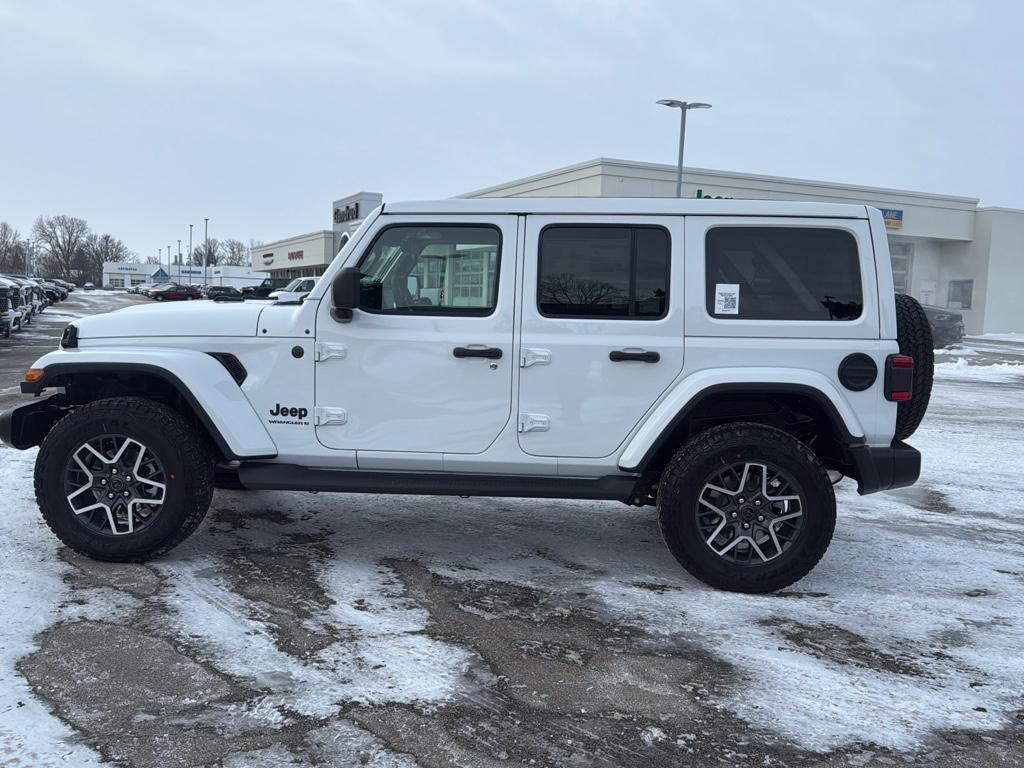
179,259
684,107
206,248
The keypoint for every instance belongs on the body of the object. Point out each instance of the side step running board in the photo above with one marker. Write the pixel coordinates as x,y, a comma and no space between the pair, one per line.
257,475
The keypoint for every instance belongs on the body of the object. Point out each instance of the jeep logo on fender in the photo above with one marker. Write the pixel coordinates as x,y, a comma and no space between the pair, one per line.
288,415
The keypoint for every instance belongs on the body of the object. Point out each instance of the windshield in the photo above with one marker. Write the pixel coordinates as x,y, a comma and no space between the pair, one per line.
293,285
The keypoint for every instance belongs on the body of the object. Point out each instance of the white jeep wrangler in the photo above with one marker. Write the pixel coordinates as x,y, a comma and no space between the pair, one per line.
722,360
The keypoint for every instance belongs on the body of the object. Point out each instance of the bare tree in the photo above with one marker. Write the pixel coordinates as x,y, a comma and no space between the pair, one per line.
236,253
61,238
10,252
212,258
95,250
568,290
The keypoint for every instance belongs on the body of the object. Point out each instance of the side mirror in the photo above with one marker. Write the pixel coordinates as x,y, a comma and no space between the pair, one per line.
345,293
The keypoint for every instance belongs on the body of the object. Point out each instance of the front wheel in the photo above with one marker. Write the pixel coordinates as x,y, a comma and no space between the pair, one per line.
746,507
123,479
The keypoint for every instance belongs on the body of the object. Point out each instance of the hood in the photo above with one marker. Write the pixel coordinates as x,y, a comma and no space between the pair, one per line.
187,318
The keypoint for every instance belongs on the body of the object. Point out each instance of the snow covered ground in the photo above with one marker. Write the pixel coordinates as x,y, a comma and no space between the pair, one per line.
395,631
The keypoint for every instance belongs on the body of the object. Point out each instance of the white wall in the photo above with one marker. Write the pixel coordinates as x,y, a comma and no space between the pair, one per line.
1004,292
316,247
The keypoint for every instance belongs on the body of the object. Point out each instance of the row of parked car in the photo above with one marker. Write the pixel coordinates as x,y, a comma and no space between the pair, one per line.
270,288
23,297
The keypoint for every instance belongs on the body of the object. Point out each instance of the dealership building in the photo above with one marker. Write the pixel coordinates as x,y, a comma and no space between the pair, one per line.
126,274
946,250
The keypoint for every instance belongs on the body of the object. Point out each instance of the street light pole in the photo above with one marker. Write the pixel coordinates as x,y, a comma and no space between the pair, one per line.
169,270
683,107
190,248
206,248
179,259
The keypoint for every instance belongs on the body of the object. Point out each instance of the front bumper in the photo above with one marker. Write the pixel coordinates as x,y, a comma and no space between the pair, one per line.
881,469
25,426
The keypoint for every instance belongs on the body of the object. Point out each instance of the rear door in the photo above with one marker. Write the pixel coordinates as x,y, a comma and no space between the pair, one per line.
602,329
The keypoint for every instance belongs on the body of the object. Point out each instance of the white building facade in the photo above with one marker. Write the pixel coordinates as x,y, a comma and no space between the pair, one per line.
946,251
309,255
126,274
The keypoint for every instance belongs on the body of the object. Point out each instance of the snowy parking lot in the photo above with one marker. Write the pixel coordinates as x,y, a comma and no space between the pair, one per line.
297,629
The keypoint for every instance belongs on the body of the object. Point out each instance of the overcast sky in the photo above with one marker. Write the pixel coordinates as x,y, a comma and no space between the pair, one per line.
144,117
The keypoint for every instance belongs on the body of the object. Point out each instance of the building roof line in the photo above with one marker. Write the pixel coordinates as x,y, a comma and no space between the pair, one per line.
662,167
272,243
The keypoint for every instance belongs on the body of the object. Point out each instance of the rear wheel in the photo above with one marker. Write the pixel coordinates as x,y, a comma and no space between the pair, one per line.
746,507
914,335
123,479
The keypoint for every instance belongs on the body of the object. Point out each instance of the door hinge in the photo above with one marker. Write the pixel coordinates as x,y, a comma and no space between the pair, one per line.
534,422
326,351
532,356
326,416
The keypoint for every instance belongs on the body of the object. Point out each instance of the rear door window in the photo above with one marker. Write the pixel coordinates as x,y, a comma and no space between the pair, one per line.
782,273
603,272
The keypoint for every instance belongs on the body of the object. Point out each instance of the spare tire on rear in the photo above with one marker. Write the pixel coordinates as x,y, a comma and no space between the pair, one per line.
914,335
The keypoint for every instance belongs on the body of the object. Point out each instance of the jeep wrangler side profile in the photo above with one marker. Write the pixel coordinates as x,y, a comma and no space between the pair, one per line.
722,360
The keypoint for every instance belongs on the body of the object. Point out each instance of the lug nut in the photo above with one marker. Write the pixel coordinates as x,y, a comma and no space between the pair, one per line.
103,481
113,471
746,525
760,518
110,495
126,494
128,479
741,500
757,502
734,514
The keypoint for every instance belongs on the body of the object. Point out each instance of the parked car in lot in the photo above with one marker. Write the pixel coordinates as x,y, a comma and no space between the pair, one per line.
8,316
947,325
221,292
20,310
175,292
265,288
31,298
40,299
140,288
296,290
514,347
88,287
53,291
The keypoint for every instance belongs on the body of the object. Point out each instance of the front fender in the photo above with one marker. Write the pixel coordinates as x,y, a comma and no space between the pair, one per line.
199,378
695,387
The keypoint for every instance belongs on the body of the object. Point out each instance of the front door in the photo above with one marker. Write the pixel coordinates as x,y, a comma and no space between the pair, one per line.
425,365
602,329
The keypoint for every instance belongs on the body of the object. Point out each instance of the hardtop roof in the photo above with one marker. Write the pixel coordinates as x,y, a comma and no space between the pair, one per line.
633,206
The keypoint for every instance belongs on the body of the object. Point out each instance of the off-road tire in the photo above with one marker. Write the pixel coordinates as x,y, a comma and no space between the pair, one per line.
183,451
685,475
914,335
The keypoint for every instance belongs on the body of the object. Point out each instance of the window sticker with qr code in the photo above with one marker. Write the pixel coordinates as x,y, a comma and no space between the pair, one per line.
727,299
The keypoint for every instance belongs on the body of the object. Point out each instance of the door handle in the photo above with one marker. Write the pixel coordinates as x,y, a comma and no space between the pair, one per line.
622,356
491,353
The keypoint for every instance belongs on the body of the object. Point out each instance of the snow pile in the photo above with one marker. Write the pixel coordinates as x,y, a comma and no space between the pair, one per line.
995,372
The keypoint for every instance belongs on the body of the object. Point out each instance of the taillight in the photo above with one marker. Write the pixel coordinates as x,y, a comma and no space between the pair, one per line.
899,378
